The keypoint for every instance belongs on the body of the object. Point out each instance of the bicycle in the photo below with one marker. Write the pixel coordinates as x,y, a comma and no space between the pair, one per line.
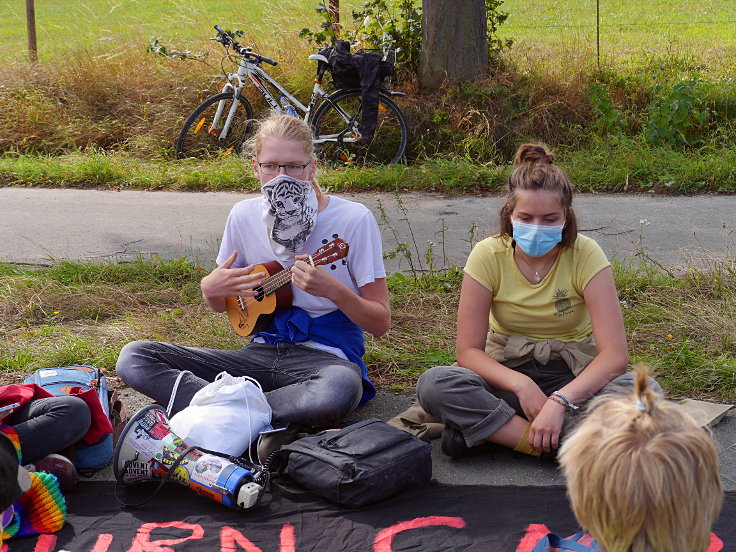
220,124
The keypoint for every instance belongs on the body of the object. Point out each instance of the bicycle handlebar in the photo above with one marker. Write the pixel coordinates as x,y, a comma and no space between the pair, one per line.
242,50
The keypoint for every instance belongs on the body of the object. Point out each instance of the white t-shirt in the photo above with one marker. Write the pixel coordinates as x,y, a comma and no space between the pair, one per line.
353,222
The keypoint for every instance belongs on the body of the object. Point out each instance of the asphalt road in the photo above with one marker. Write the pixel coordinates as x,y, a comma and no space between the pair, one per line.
39,226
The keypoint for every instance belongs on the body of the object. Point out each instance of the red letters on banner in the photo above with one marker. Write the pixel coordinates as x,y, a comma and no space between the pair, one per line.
229,537
384,538
103,543
232,540
142,542
45,543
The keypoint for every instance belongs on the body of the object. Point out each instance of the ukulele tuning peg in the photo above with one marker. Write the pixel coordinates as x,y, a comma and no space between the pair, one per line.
333,267
334,235
324,240
344,262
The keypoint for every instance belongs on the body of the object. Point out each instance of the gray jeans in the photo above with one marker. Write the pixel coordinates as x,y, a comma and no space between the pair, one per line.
49,425
302,384
463,400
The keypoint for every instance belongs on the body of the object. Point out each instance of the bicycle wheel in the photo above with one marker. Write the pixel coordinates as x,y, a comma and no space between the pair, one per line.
200,138
336,125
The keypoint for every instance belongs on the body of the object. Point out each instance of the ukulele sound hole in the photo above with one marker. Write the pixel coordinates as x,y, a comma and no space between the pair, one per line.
261,293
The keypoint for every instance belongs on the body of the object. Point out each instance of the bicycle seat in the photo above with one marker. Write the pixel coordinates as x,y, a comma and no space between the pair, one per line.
318,57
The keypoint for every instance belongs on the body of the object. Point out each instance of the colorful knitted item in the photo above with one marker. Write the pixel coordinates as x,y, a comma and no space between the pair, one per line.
42,508
13,435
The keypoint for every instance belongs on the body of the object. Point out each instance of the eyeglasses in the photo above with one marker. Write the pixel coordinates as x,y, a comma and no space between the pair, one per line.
291,169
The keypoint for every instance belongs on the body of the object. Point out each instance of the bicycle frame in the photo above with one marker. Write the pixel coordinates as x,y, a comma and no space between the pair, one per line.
250,70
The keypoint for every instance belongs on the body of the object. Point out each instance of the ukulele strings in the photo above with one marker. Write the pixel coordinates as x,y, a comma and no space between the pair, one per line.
271,284
279,279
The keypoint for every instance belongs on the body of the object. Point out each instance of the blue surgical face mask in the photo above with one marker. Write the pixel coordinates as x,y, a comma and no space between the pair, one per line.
536,240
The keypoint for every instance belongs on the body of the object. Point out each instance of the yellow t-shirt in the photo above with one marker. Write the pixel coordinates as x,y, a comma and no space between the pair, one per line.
552,309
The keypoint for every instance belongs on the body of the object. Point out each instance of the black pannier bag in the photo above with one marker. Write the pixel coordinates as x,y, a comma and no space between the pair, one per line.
362,463
364,70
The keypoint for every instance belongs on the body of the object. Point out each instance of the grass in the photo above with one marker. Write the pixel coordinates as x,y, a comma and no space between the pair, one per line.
119,99
683,325
620,165
630,34
109,27
561,28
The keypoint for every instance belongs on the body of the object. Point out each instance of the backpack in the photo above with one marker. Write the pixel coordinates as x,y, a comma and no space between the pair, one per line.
90,384
364,70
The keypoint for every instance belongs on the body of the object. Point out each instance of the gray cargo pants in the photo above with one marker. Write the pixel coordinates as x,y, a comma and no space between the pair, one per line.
463,400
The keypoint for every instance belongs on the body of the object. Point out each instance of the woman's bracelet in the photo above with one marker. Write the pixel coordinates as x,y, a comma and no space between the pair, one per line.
558,401
561,399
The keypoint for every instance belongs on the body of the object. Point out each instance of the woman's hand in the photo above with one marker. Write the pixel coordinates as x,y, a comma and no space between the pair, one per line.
313,279
531,398
544,434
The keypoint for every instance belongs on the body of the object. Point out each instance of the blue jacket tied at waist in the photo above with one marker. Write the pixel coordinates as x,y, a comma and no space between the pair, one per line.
333,329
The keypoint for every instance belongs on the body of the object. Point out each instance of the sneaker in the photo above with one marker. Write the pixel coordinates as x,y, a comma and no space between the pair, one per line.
60,466
453,444
269,442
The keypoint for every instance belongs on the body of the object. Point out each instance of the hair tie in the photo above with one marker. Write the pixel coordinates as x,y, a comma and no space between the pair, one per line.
640,406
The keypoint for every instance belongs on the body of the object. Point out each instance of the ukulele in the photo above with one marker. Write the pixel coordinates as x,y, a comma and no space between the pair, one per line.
249,315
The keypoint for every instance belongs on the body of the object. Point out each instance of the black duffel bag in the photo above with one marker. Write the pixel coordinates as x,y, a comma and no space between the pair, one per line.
362,463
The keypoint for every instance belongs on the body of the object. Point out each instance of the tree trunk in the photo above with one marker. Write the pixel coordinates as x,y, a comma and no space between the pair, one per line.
31,25
334,11
454,43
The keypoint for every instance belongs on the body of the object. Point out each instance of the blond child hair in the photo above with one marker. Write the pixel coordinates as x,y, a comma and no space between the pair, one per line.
278,125
642,475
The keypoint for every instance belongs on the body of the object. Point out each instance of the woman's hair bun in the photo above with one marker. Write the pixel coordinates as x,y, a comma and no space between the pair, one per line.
533,153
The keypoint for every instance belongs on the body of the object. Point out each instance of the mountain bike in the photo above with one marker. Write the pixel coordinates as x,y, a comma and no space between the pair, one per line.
218,127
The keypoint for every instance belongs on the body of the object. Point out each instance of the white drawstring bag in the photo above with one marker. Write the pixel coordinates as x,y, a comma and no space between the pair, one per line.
226,415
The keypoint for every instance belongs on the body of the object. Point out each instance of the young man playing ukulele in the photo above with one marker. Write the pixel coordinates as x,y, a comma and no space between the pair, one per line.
308,359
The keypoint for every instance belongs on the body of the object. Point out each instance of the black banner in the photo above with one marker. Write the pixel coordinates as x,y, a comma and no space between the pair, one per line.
435,518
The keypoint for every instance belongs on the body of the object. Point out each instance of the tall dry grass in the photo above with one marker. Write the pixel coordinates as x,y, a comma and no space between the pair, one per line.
130,100
135,102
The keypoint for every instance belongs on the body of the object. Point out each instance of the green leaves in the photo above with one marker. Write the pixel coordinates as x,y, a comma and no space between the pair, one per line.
327,35
608,117
395,28
675,114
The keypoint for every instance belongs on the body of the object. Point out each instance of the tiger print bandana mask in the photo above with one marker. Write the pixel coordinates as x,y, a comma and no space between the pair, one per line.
289,209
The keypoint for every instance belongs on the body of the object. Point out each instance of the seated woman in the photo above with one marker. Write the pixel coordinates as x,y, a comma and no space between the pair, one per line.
308,361
650,483
44,428
557,335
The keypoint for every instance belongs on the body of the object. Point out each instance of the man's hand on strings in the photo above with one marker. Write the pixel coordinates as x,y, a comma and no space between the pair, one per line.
314,279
